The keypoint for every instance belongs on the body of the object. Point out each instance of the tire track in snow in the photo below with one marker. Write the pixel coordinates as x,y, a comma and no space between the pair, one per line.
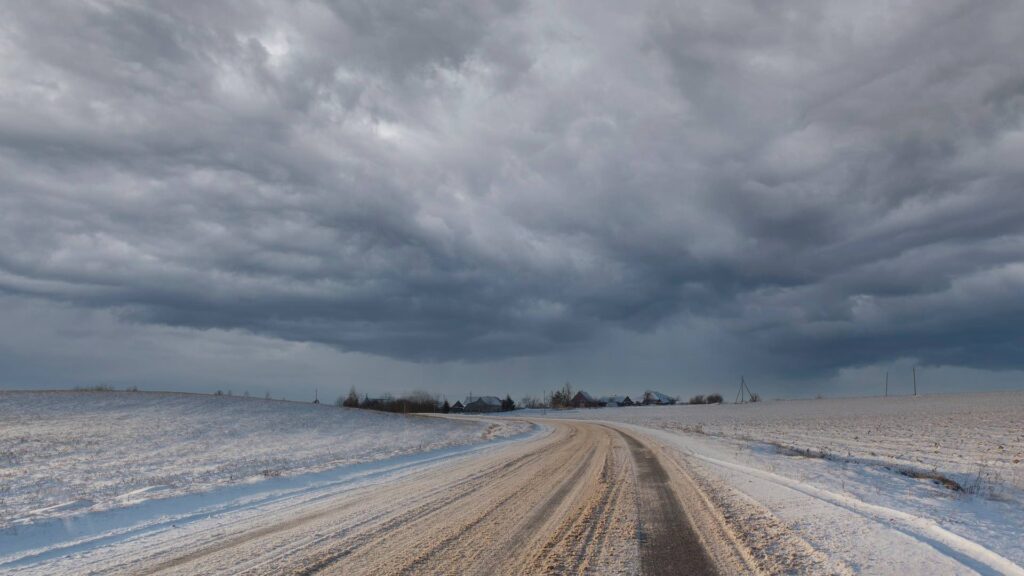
668,542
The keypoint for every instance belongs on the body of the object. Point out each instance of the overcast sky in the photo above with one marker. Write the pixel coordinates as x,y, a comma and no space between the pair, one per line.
499,197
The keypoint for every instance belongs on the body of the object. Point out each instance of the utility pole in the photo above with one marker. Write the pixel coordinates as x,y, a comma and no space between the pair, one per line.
744,392
886,383
915,380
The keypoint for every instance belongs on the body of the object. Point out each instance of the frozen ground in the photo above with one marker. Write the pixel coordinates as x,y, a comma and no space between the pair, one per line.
908,486
565,498
866,481
66,453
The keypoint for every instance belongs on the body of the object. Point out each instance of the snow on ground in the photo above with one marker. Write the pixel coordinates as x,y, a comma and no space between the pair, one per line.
864,479
66,453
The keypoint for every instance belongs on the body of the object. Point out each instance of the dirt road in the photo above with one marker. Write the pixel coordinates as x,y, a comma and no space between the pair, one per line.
582,499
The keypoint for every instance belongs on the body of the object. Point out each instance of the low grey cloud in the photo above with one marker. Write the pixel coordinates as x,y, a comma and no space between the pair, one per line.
831,184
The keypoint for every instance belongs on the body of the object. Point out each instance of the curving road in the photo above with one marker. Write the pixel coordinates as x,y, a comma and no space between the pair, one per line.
583,499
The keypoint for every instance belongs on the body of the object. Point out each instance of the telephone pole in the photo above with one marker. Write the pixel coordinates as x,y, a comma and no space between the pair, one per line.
886,383
915,380
744,392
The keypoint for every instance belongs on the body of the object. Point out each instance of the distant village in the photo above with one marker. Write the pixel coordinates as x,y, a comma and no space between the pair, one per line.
581,399
564,398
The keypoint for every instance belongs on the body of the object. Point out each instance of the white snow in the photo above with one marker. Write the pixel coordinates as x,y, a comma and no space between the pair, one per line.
855,477
63,454
58,545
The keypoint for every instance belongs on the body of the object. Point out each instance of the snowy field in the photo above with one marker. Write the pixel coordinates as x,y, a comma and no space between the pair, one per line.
878,485
66,453
976,439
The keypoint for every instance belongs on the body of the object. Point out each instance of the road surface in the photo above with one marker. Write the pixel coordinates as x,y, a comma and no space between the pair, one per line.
582,498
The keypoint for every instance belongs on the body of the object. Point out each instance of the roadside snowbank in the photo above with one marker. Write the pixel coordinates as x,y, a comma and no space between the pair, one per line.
66,453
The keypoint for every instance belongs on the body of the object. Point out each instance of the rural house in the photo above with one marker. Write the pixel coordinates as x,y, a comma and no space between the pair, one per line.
617,401
483,404
584,400
657,398
457,408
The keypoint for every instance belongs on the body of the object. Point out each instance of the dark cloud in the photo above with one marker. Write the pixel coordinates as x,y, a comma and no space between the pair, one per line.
829,184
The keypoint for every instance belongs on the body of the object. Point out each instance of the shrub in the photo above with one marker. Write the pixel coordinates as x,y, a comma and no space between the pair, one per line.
531,402
714,398
698,399
350,401
415,402
561,398
508,404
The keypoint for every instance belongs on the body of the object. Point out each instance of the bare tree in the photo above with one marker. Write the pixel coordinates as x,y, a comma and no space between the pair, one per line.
562,397
352,400
531,402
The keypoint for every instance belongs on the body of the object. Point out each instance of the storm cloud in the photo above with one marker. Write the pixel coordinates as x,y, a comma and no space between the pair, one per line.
828,184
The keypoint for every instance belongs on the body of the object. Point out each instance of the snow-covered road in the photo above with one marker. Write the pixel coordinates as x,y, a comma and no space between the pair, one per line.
566,496
571,497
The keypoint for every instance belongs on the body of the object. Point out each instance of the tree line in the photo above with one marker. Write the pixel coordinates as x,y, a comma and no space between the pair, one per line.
418,401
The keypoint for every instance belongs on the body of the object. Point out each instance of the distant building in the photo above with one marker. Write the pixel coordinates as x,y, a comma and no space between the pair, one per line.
584,400
483,404
657,398
376,403
458,408
616,401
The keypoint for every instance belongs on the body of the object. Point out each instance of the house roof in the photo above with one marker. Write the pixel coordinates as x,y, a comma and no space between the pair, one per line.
457,403
586,396
658,396
614,399
489,400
